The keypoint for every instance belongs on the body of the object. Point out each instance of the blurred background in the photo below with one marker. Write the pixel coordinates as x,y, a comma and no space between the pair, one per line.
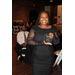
25,12
28,10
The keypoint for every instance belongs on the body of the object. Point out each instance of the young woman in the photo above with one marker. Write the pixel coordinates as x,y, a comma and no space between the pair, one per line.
43,52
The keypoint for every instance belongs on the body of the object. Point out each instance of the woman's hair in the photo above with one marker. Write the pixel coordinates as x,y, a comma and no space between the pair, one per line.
38,19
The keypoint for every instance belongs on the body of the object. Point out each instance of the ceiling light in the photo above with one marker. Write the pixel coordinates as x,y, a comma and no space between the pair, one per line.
51,0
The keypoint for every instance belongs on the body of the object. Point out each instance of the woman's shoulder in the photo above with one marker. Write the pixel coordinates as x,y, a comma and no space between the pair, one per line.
54,27
51,26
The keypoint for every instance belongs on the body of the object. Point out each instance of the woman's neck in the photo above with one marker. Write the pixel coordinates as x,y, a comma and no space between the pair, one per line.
43,25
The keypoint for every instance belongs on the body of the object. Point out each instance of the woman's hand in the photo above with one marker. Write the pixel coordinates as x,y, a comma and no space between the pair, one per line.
47,43
51,35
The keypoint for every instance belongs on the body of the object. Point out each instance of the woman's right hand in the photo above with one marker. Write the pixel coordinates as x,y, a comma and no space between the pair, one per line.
47,43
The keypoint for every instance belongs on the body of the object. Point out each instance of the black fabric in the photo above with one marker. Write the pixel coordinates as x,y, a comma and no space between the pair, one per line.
27,58
58,46
27,52
42,55
18,48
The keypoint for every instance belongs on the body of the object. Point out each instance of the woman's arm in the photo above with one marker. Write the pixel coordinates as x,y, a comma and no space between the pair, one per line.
31,37
56,39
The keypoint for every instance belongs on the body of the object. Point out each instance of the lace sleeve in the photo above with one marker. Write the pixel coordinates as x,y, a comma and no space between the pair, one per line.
56,38
31,40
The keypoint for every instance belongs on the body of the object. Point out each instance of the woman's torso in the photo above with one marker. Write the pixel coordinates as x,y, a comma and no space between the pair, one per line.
39,37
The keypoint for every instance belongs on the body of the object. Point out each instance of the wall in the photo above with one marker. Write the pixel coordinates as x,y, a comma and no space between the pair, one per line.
52,10
48,9
59,13
22,8
53,14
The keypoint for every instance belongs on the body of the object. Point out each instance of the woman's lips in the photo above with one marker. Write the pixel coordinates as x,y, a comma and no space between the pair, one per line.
44,21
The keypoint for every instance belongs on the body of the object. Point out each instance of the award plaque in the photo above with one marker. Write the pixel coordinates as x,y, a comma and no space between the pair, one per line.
47,38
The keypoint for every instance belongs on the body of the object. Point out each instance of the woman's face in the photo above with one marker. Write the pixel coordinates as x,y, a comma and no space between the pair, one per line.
43,18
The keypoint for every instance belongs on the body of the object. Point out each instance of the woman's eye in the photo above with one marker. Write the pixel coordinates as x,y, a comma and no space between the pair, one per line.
41,17
46,17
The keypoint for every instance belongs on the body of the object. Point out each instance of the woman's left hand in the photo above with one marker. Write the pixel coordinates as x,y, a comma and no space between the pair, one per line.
47,43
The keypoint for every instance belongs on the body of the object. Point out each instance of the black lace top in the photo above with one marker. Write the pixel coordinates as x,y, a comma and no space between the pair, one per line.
36,35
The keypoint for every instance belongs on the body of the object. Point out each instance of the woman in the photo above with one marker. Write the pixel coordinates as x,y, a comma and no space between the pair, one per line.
43,52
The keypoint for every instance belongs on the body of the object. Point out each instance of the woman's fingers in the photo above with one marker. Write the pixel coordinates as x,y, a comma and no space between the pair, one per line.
50,43
47,43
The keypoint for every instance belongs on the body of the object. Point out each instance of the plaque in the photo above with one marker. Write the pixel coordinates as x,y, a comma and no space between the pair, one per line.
47,38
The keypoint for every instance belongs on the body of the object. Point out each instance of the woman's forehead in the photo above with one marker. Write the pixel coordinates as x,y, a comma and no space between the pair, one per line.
43,13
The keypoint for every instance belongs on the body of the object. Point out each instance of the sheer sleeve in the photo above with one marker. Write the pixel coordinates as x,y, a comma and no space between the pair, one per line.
56,37
31,40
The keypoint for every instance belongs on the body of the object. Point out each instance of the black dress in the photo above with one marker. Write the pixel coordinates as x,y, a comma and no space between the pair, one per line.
42,55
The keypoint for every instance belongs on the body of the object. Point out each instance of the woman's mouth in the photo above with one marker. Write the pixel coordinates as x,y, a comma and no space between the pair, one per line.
44,21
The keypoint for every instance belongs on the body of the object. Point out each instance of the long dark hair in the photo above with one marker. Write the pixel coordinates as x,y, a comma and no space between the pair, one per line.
38,19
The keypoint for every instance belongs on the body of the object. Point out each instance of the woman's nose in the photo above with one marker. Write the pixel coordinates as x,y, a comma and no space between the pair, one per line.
44,18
